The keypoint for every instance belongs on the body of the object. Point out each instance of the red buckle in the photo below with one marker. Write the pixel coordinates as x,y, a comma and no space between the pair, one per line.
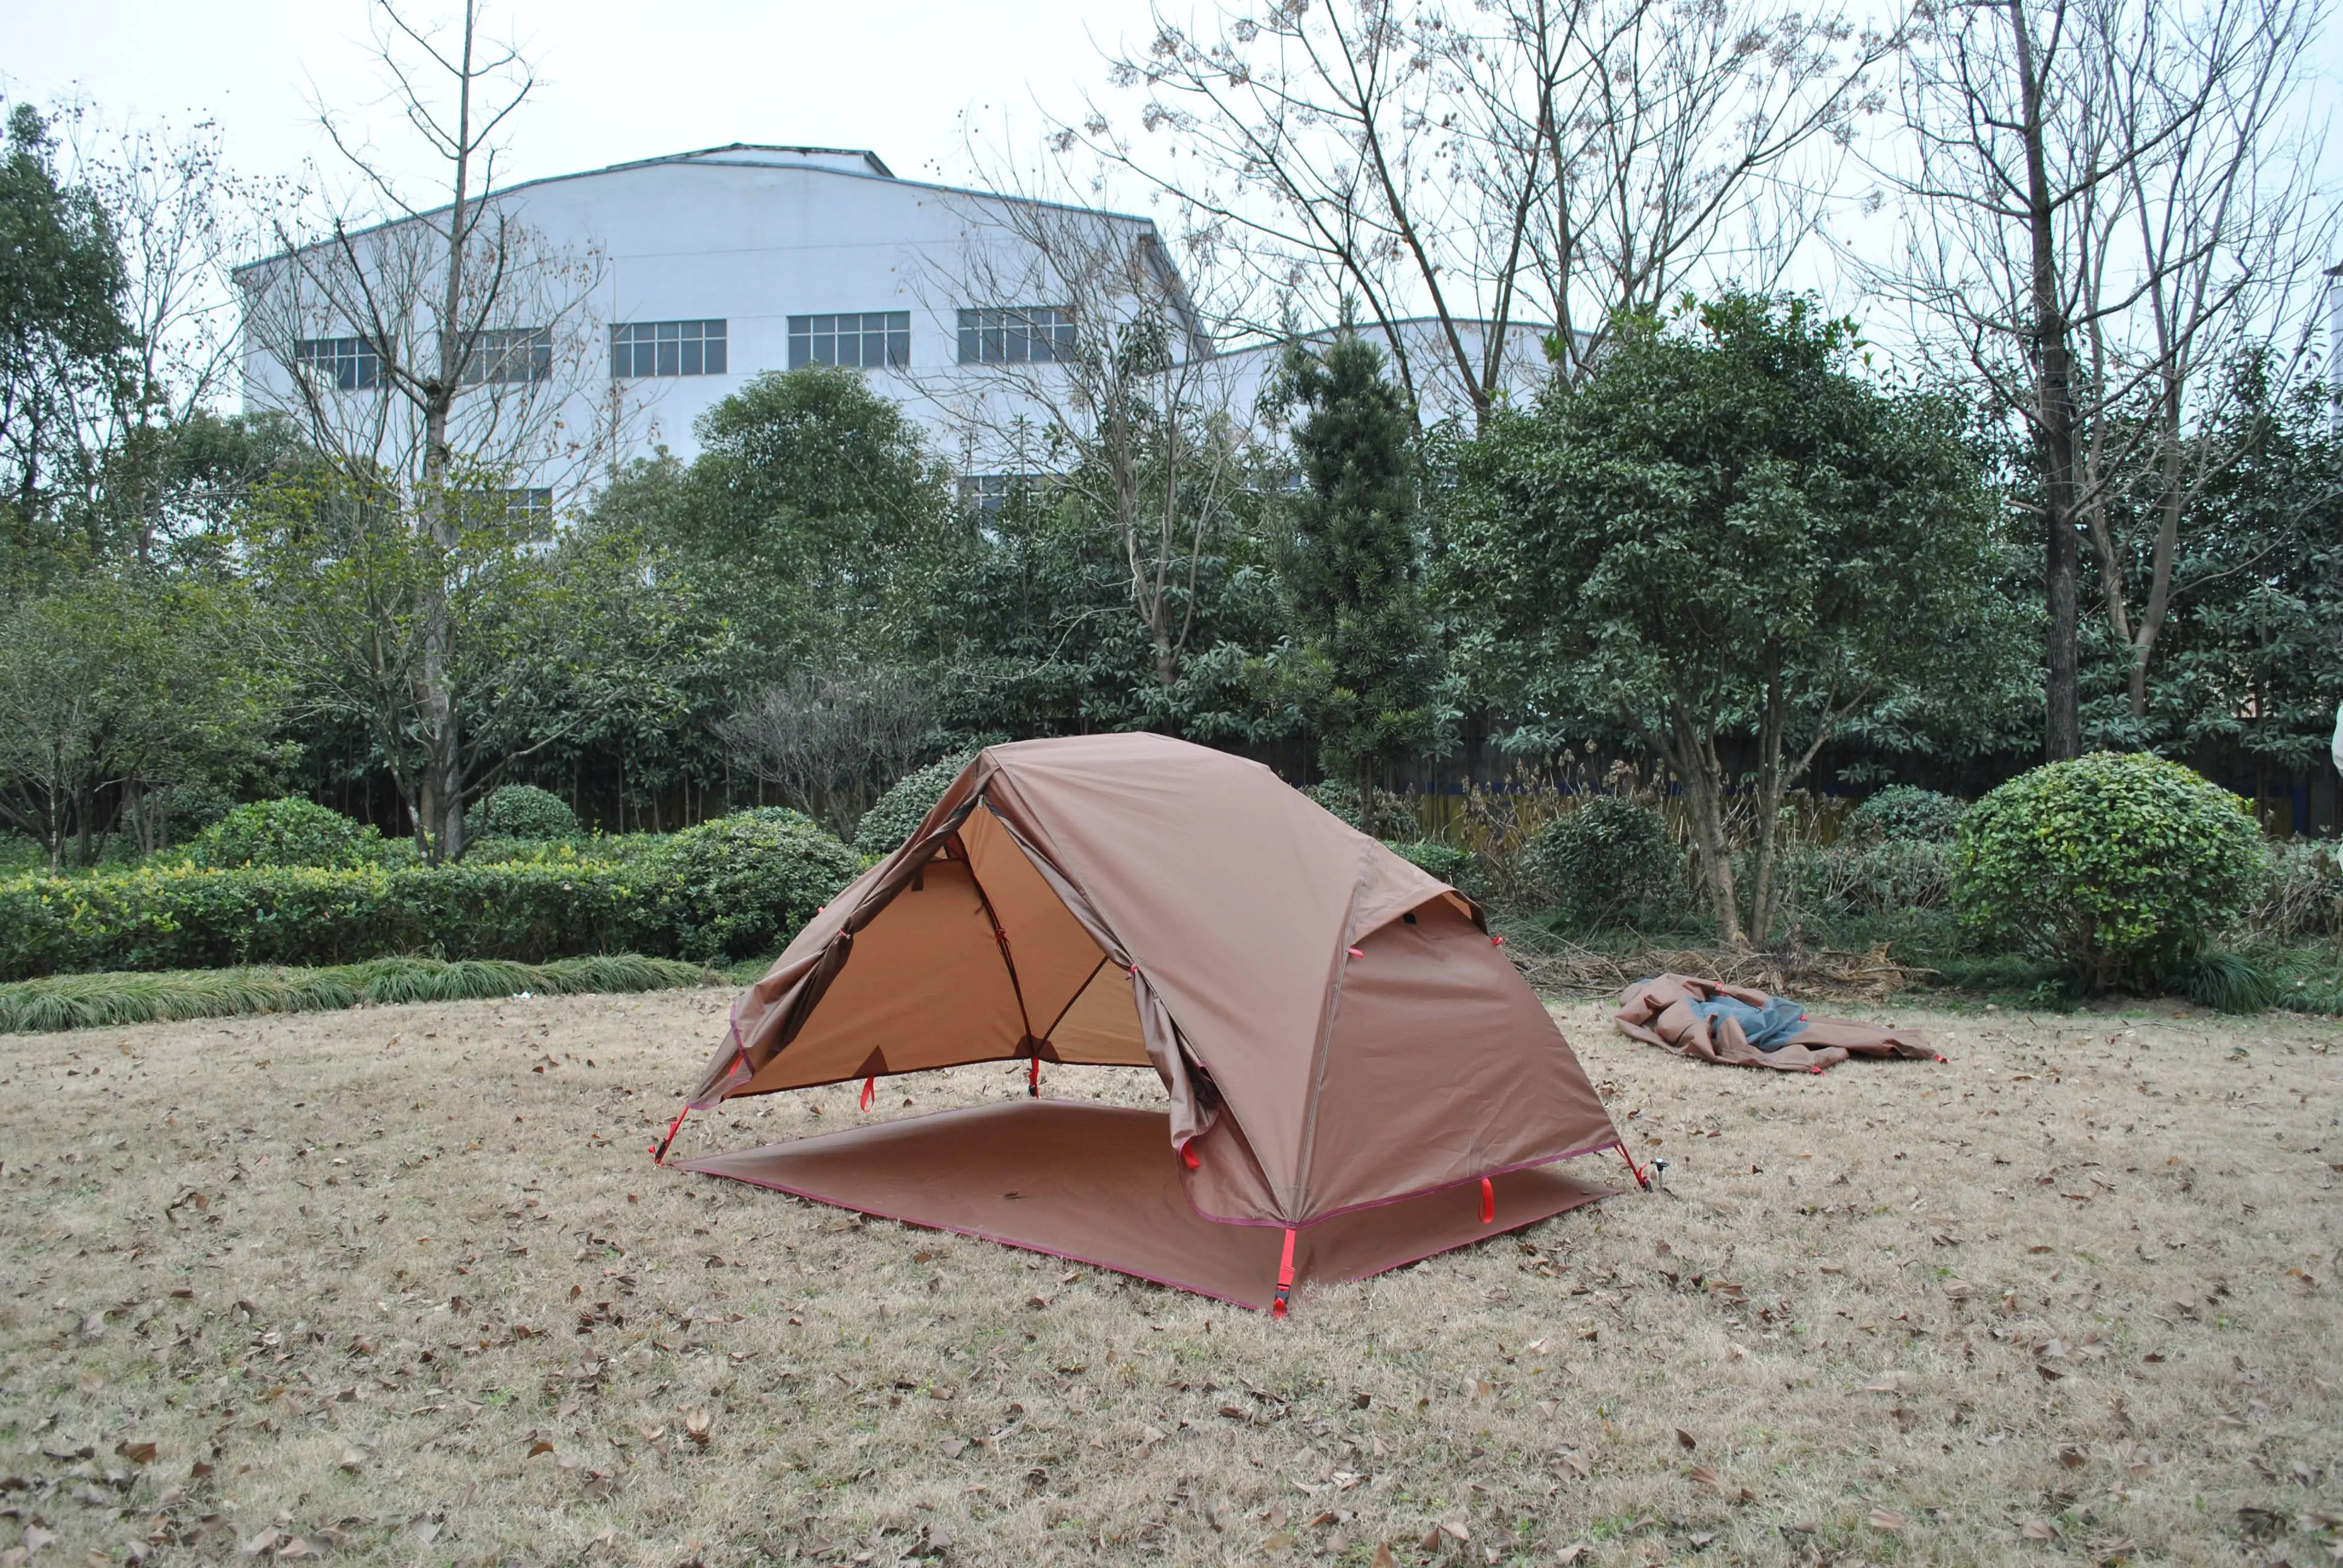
1284,1278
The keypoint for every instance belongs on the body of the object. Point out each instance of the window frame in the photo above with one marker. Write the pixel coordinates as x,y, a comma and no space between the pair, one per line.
1010,334
811,337
348,364
669,350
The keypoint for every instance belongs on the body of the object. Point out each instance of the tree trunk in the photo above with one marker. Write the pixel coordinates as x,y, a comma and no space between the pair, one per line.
1703,784
442,740
2168,547
1769,811
2054,425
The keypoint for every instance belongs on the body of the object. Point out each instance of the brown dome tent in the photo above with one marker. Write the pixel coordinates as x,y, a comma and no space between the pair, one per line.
1357,1075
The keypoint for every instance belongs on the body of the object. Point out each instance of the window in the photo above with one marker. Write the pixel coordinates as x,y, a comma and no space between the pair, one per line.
511,356
1015,335
529,507
347,364
668,348
995,492
872,339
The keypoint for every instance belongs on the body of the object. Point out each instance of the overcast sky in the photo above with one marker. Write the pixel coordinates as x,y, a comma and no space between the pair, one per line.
617,81
620,81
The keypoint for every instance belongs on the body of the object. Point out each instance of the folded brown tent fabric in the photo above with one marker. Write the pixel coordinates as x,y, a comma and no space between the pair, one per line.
1660,1012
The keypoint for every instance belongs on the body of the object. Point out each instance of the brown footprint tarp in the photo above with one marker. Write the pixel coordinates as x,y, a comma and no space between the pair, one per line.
1336,1032
1659,1012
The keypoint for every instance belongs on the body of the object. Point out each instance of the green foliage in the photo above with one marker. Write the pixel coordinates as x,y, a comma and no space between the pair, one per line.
522,811
127,682
1362,665
62,327
2118,868
290,831
741,886
2226,981
180,918
905,804
1907,814
1728,539
1394,817
1452,865
97,1000
1607,860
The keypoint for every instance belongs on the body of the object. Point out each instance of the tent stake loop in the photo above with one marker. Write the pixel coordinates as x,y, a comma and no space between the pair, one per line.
659,1154
1284,1278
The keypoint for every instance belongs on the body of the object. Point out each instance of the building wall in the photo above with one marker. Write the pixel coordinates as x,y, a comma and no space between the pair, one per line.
750,237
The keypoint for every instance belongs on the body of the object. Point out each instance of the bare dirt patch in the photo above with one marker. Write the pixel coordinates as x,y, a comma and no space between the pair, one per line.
400,1284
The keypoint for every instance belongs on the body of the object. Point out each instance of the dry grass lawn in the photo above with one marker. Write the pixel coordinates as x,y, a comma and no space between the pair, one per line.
400,1285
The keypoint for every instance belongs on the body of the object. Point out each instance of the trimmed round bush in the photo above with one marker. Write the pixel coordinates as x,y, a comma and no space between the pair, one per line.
741,886
290,831
2118,868
1907,814
1608,859
521,811
905,805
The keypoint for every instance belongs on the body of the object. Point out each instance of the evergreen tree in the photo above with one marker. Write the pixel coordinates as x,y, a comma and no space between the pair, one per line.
1361,662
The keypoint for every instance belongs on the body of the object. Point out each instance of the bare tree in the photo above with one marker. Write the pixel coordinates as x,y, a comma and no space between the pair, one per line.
465,331
2227,231
833,740
1573,158
1098,381
168,198
2089,210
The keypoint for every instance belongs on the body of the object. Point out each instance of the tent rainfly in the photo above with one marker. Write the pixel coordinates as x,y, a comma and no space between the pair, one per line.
1357,1075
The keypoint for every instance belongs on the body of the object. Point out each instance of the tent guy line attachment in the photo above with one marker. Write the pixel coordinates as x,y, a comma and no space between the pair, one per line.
1642,1180
658,1152
1284,1278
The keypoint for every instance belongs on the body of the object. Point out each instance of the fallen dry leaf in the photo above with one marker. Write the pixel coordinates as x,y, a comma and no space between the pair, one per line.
2039,1529
1685,1439
539,1446
1572,1552
1887,1519
1702,1475
695,1427
1383,1557
135,1452
2072,1458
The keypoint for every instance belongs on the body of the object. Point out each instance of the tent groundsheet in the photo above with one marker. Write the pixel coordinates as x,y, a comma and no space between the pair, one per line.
1091,1184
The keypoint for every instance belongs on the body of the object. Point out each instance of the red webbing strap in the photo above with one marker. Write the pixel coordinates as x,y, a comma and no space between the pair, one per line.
1488,1202
870,1090
1284,1278
1188,1153
659,1153
1641,1179
1033,1076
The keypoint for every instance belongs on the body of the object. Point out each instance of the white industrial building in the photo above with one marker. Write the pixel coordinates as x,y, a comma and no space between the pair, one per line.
632,298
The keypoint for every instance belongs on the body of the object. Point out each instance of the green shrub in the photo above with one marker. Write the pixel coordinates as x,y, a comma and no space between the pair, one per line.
1395,821
95,1001
1863,876
1902,813
196,807
739,886
2119,869
1606,861
521,811
184,918
1450,864
2302,898
905,805
2226,981
290,831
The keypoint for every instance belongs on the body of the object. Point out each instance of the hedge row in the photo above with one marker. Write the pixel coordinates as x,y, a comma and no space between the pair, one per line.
736,888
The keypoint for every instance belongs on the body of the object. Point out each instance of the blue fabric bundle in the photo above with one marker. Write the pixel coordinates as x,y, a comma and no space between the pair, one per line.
1768,1028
